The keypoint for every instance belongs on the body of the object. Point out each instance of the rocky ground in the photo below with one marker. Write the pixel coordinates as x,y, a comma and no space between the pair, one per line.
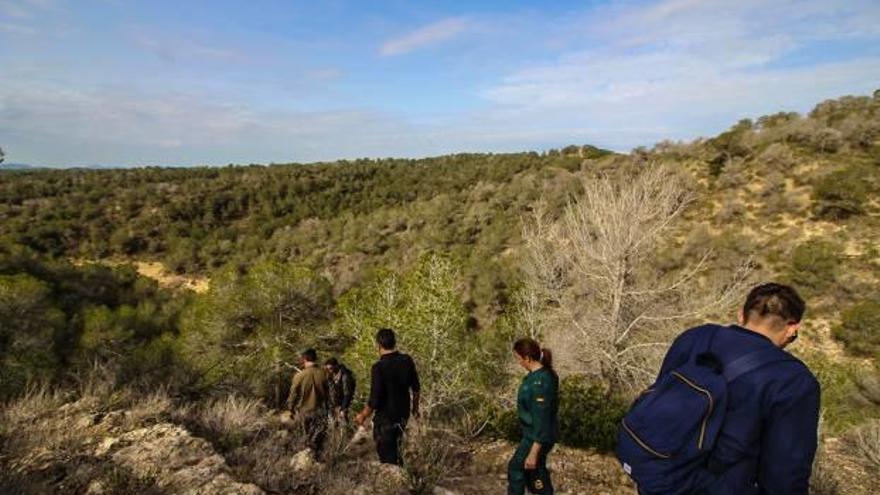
50,444
149,447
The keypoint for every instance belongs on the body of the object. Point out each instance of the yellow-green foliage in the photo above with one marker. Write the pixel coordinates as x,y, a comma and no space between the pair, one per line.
424,307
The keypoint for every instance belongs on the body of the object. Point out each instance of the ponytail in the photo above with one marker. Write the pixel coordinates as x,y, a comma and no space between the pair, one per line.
529,348
547,358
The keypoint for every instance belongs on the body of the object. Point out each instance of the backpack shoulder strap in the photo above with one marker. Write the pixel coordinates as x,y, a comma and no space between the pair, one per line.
752,361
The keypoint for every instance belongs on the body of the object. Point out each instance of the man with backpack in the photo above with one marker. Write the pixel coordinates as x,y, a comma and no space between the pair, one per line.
731,412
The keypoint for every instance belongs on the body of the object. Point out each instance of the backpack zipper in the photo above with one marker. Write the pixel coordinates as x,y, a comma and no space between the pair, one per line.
643,444
708,413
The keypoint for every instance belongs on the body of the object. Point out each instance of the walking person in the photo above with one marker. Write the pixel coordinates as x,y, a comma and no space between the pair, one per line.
342,387
731,413
537,406
392,379
308,399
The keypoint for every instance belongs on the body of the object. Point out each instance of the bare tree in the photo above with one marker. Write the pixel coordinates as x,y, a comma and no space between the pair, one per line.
606,309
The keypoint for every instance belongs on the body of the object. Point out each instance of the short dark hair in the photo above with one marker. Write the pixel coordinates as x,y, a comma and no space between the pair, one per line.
331,362
310,355
386,339
774,300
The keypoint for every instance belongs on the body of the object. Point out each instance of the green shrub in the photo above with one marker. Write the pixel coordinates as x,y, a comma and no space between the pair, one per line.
588,418
244,331
843,404
841,194
859,328
814,265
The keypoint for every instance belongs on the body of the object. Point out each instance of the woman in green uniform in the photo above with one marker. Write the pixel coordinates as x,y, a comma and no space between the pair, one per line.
537,406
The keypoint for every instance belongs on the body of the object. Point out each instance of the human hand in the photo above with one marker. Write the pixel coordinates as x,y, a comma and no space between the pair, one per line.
360,419
531,461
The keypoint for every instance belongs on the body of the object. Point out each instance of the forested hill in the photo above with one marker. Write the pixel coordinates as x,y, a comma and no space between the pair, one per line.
345,217
784,188
321,255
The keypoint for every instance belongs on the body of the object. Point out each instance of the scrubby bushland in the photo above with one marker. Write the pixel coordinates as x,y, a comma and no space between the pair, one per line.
849,392
842,194
246,332
814,265
346,218
859,328
57,320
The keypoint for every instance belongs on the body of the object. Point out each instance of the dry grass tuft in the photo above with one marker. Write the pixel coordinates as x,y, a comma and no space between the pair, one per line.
867,440
226,422
822,482
33,405
430,457
154,406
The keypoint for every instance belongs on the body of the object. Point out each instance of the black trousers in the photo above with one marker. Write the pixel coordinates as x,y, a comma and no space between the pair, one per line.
315,426
388,436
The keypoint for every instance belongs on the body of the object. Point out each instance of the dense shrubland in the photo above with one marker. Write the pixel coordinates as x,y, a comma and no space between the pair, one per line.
320,255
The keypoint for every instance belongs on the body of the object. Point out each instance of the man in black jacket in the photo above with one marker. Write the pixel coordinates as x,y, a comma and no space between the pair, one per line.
342,386
392,378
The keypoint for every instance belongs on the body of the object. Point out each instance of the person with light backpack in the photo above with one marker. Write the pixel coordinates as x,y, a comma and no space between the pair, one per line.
731,412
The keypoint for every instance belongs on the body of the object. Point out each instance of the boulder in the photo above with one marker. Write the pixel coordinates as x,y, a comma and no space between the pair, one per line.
303,462
178,462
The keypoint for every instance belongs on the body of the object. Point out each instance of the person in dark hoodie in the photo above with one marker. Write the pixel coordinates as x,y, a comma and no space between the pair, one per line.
342,386
769,436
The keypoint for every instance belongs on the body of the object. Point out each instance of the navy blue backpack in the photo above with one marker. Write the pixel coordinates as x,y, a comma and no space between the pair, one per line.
665,439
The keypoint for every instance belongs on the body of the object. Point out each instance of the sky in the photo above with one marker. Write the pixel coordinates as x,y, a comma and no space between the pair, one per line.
183,83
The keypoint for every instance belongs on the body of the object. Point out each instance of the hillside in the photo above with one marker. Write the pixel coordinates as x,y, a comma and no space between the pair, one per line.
282,257
343,218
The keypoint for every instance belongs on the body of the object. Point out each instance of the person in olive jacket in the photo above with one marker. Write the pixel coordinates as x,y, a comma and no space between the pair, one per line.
537,405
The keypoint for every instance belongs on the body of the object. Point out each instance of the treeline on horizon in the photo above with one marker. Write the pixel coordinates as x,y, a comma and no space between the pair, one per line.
322,254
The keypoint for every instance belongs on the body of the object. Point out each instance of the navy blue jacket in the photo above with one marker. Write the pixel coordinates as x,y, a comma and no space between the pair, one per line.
769,436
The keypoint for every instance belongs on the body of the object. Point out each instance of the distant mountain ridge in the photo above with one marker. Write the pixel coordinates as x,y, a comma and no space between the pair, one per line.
17,166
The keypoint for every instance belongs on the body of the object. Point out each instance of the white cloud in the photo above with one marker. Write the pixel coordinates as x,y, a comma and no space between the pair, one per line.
431,34
131,127
685,65
10,28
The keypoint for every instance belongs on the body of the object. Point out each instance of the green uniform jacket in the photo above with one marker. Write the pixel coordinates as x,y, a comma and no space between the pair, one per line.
538,406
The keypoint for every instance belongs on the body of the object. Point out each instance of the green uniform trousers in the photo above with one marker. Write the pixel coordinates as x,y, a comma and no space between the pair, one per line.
538,480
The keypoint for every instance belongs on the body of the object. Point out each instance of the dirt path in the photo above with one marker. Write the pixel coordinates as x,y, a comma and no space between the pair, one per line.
575,472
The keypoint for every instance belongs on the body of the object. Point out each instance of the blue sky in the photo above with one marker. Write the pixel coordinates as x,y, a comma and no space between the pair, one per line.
159,82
